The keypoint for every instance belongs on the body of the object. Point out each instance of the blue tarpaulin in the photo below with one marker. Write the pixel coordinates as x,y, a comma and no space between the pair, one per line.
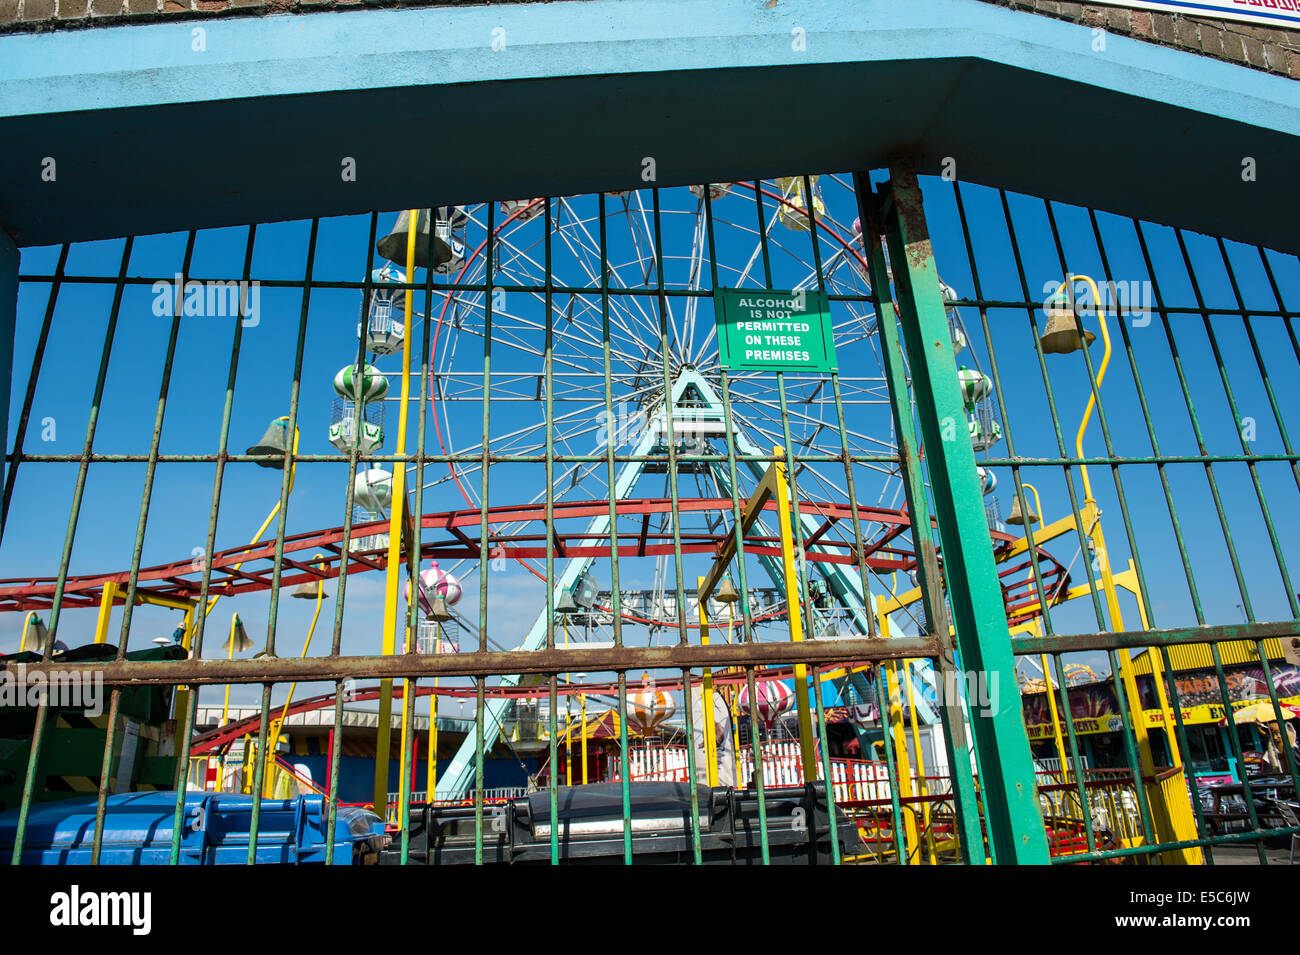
215,831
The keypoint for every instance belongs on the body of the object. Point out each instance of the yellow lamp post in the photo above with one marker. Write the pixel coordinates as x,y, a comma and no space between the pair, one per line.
33,620
1029,521
307,591
568,717
706,694
1065,338
582,698
794,612
240,642
394,563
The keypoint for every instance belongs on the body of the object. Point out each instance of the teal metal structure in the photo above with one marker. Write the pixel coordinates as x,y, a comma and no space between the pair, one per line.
693,400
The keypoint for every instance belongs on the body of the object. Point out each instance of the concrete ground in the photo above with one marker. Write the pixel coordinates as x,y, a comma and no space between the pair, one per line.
1247,855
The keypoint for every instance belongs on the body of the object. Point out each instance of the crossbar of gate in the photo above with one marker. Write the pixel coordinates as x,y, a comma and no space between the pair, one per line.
1217,338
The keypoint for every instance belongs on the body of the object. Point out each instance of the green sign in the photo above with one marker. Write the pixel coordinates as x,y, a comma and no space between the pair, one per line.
761,330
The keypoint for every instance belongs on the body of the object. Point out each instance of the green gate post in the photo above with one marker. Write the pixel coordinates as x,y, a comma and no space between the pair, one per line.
8,318
1015,822
918,509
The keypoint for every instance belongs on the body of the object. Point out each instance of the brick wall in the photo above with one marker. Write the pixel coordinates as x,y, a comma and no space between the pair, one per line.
1264,48
36,15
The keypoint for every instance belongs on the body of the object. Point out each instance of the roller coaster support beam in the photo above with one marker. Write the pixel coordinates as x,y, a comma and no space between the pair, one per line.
846,587
773,484
459,774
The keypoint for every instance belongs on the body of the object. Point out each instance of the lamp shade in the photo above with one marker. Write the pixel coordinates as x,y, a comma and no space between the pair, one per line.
273,445
239,636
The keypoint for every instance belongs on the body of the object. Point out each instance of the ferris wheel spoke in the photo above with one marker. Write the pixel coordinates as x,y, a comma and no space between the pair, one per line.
647,257
758,247
620,312
694,280
774,407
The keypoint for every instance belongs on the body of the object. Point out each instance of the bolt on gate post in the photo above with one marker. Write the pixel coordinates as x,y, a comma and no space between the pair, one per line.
1015,825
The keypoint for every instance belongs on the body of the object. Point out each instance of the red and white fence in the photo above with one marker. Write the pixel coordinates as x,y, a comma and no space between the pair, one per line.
854,780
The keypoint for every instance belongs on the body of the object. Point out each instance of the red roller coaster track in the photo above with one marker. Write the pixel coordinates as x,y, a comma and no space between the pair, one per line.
250,568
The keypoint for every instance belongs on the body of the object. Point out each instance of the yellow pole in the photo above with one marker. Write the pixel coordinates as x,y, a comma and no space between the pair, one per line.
407,701
920,762
1038,504
732,700
710,729
1178,809
187,623
1056,717
181,702
1099,540
903,761
1042,657
432,769
568,716
230,655
106,599
274,736
795,613
1094,532
394,567
246,784
225,707
583,698
27,622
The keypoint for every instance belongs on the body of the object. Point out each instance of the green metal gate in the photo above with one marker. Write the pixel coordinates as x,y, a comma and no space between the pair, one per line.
521,376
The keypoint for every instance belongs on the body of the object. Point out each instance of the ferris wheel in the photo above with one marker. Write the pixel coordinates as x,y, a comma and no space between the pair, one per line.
651,321
627,282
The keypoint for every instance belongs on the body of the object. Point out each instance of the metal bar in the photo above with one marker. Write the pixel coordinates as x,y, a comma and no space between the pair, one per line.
33,777
1015,825
499,662
676,521
737,541
552,702
185,722
616,597
507,458
936,611
164,387
286,486
38,359
827,773
480,685
349,493
1170,637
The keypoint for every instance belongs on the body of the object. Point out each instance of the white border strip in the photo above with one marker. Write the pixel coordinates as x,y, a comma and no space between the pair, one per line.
1274,13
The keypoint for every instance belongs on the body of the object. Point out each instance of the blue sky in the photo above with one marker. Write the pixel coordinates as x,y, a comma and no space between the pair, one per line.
182,494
